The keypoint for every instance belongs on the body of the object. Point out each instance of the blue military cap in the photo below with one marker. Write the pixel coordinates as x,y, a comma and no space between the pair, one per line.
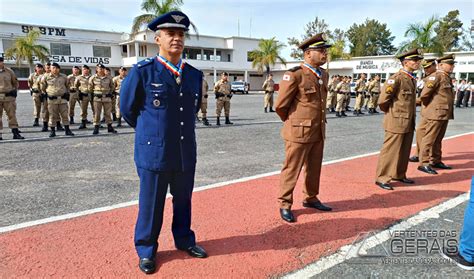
173,19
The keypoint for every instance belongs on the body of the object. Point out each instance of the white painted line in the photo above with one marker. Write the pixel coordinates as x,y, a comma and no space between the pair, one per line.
198,189
382,236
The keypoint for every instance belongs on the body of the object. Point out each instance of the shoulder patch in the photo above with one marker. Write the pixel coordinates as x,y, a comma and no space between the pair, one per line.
294,69
286,77
145,62
432,78
390,81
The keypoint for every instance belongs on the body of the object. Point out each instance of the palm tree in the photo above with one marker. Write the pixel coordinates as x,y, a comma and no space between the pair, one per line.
422,36
26,49
156,8
267,54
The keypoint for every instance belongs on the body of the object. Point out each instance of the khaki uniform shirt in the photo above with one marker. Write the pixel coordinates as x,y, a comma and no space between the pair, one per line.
8,80
269,85
222,87
343,87
117,83
301,104
437,97
41,82
205,87
360,86
374,87
82,83
34,82
56,85
398,101
71,80
101,85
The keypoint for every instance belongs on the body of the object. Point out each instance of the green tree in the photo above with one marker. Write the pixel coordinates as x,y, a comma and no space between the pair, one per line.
422,35
370,38
337,51
312,28
26,49
267,54
154,8
449,31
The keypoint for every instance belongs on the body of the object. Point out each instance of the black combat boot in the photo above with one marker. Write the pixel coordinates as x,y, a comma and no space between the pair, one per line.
36,123
371,111
45,127
206,122
110,129
218,122
71,120
59,127
227,121
16,134
333,110
52,134
356,112
271,109
114,117
96,130
343,114
265,110
119,122
360,112
374,110
68,131
338,114
83,124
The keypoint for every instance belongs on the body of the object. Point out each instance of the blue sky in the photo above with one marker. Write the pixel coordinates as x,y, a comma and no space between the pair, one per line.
276,18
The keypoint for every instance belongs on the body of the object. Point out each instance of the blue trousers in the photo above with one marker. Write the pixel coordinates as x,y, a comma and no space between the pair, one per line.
466,245
151,203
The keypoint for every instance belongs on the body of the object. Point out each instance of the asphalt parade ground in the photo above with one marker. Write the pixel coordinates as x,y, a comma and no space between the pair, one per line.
69,204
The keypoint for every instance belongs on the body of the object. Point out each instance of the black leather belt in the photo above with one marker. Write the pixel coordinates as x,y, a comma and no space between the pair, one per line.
56,97
72,90
102,95
83,94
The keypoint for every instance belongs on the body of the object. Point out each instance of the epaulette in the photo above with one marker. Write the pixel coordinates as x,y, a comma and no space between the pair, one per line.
145,62
294,69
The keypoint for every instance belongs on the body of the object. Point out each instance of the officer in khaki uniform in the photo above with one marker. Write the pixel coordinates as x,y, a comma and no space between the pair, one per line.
8,93
117,85
301,105
332,95
56,86
398,101
44,97
361,89
108,72
205,97
33,83
102,87
374,91
429,67
223,96
342,89
269,87
347,101
81,84
73,93
437,102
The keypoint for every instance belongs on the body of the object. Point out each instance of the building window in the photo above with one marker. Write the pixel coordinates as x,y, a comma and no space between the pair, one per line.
101,51
218,56
7,44
208,54
228,58
142,51
60,49
190,53
21,72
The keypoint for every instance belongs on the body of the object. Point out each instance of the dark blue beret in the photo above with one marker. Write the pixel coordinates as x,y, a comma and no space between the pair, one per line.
56,65
173,19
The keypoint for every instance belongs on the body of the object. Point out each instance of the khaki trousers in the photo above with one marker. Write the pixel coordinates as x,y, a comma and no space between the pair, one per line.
341,97
268,99
73,99
37,105
431,142
117,106
58,110
8,104
114,104
223,103
84,105
297,155
106,104
329,100
204,107
359,101
45,111
393,158
374,98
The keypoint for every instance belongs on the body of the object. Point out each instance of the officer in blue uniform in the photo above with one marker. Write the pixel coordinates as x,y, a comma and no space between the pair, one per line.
160,98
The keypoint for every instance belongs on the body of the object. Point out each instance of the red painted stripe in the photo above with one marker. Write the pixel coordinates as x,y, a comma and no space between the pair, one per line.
239,226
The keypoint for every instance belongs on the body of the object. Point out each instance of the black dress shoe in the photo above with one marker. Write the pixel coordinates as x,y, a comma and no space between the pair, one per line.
317,205
405,180
414,159
148,266
196,251
287,215
427,169
441,165
385,186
